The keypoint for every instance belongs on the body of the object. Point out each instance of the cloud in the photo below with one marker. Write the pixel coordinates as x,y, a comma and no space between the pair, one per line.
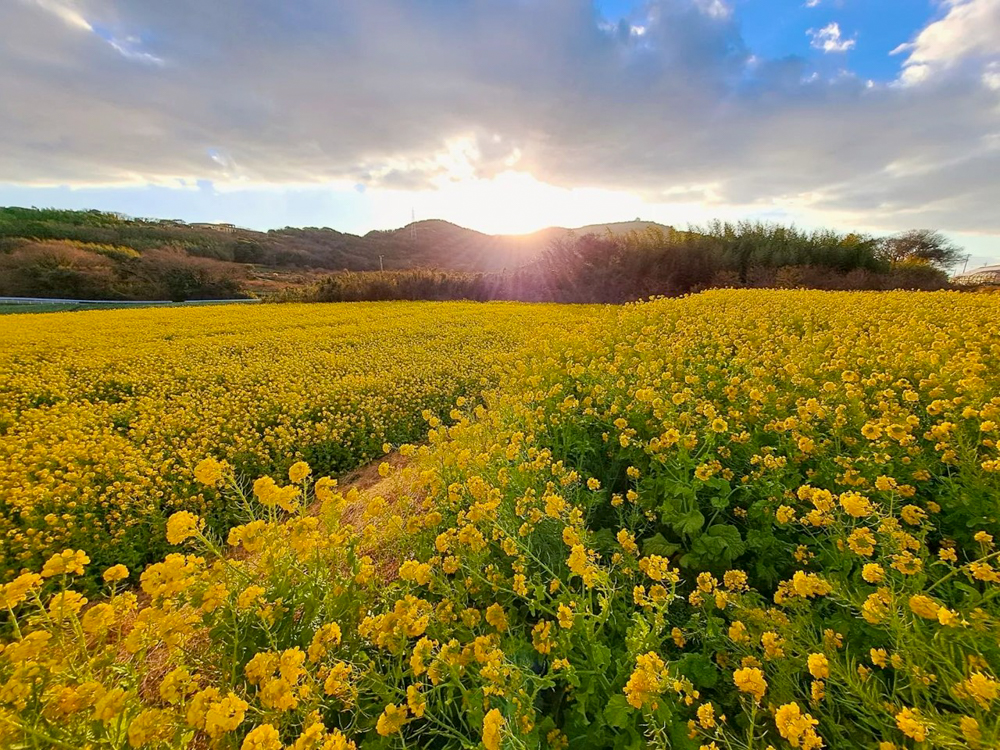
397,94
828,39
131,49
715,8
968,34
65,12
991,75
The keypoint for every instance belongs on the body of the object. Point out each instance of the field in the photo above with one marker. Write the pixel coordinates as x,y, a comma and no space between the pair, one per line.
103,415
16,309
738,520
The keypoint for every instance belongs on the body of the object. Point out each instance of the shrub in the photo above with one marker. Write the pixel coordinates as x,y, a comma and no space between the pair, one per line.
171,274
57,269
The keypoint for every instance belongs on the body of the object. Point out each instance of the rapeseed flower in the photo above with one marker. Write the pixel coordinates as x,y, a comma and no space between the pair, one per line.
750,680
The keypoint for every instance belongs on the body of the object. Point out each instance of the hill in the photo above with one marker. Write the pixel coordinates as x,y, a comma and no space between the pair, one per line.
98,255
618,228
423,244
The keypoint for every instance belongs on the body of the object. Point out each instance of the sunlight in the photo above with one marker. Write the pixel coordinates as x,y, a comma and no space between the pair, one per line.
510,203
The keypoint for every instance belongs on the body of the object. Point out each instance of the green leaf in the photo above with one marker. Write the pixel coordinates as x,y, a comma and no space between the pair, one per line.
720,502
720,484
600,656
732,536
699,669
618,713
690,523
709,548
658,545
720,542
760,540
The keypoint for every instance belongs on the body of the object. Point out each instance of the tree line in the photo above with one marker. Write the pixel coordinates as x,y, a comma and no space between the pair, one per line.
614,269
100,255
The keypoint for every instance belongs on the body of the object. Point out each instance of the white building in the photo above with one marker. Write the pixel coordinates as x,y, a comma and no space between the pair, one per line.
981,275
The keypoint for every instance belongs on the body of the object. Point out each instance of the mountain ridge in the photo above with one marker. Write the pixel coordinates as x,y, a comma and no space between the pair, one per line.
429,243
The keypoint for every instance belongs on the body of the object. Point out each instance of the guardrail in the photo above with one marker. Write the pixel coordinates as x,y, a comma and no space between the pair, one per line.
120,303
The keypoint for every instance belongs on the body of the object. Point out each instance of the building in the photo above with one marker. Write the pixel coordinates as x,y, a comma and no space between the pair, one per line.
981,275
218,227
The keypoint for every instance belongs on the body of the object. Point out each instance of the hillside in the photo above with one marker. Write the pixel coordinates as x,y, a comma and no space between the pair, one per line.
90,255
423,244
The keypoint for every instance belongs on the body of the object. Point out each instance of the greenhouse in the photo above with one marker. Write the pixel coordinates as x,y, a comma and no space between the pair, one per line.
981,275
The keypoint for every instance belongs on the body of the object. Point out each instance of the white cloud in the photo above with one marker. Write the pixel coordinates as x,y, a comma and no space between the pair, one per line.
130,48
812,3
991,76
65,11
829,39
715,8
407,97
968,33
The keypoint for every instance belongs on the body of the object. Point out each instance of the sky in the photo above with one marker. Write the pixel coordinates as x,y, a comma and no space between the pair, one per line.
509,115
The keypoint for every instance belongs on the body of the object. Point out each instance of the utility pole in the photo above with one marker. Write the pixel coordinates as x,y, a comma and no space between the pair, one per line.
966,264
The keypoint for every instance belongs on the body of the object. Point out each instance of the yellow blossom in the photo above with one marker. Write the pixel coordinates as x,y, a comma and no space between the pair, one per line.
182,526
796,727
873,572
209,471
647,681
493,725
909,722
225,715
66,562
750,680
298,472
924,606
391,720
115,573
151,726
819,666
263,737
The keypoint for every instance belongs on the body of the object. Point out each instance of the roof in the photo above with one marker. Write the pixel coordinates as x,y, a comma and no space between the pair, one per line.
981,271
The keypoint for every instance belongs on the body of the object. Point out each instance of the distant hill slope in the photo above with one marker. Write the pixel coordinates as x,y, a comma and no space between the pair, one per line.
95,255
423,244
619,227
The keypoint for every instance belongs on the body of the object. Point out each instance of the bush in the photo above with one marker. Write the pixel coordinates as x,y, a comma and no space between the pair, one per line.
57,269
171,274
638,265
81,270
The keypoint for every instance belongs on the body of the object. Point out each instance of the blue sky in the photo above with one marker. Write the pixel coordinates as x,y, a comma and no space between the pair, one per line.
773,29
508,115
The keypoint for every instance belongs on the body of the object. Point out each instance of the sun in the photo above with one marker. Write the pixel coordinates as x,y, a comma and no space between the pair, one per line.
512,202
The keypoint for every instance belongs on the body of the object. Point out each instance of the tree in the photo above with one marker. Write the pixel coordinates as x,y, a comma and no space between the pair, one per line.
921,245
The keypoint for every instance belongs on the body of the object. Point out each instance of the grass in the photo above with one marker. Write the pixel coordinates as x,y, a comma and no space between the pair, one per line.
46,307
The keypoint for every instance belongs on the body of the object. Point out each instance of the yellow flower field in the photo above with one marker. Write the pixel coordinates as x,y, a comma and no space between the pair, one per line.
103,415
732,521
